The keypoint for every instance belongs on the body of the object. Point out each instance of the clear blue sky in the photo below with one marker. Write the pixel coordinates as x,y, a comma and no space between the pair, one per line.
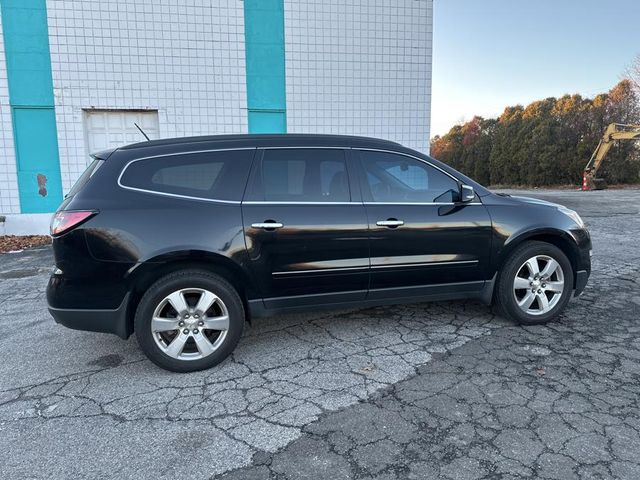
488,54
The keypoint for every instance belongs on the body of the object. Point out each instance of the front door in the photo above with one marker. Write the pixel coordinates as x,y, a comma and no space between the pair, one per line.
421,243
305,229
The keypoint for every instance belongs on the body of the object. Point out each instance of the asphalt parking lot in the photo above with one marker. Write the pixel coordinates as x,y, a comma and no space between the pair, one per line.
441,390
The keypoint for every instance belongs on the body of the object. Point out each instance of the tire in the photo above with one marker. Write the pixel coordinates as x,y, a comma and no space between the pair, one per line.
512,301
191,339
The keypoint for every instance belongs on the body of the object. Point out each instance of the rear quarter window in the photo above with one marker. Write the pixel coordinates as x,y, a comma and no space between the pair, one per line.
218,175
86,175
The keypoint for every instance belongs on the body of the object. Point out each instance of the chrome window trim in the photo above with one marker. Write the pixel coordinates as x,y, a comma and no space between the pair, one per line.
185,197
176,195
265,202
457,180
302,147
259,202
423,203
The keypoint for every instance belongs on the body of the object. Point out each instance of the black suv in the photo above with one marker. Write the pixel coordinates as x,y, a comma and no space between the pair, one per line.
182,240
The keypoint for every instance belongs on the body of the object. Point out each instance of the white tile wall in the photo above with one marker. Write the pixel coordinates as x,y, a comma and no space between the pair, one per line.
182,58
360,67
9,200
353,67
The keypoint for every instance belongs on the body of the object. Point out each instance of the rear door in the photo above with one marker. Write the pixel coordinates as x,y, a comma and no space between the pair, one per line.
421,243
305,227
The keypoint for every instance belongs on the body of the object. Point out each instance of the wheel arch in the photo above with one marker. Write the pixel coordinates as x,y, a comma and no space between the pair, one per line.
558,238
148,272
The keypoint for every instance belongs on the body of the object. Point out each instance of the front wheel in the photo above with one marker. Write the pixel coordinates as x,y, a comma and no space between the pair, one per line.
535,283
189,320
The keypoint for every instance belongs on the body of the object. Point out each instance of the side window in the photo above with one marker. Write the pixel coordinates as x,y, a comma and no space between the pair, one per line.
394,178
212,175
305,175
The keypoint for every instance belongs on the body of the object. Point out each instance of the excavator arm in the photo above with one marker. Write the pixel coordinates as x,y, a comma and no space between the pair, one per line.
615,131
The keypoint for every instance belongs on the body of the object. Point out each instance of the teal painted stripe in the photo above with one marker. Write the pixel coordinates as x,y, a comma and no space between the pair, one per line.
26,42
264,51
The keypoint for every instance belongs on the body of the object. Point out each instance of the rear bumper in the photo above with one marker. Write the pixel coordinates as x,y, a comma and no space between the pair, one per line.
94,320
87,294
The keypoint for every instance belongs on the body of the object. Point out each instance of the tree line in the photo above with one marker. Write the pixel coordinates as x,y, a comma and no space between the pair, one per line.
545,143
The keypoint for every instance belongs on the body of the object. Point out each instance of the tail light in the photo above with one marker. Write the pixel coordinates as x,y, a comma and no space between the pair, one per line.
64,221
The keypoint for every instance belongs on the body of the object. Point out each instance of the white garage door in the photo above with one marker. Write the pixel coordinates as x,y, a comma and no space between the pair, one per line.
114,128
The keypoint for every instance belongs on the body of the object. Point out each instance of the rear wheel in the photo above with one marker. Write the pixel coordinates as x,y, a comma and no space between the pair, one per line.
189,320
535,283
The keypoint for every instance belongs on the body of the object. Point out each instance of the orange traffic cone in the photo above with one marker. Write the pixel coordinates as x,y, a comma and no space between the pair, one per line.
585,185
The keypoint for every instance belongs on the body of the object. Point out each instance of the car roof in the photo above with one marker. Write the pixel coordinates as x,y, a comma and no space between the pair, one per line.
269,140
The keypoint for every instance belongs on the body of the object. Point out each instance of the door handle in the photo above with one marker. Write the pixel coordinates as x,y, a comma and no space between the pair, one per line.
267,225
390,222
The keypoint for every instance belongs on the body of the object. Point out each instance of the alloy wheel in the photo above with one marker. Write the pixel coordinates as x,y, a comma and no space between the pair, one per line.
538,285
190,324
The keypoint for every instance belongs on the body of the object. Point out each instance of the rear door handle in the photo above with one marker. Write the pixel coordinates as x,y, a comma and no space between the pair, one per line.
390,222
267,225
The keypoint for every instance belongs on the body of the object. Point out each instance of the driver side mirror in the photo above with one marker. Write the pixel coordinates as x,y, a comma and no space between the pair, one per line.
467,194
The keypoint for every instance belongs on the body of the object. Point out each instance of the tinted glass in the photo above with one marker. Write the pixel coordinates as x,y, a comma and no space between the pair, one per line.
305,175
213,175
84,178
395,178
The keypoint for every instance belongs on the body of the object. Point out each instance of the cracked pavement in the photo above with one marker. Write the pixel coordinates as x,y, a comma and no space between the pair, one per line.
440,390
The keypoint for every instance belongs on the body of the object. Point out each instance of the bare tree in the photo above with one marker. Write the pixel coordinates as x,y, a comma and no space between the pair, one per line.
633,73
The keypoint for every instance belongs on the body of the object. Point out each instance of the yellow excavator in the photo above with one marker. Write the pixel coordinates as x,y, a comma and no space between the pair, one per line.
615,131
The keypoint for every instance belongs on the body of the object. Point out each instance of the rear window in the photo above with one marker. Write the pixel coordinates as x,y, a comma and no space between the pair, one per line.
210,175
84,178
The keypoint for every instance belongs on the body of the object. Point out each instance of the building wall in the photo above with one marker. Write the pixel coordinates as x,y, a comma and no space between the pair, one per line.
9,197
360,67
184,59
28,63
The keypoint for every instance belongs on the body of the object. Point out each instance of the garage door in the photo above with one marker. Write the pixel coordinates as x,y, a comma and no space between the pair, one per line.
113,128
